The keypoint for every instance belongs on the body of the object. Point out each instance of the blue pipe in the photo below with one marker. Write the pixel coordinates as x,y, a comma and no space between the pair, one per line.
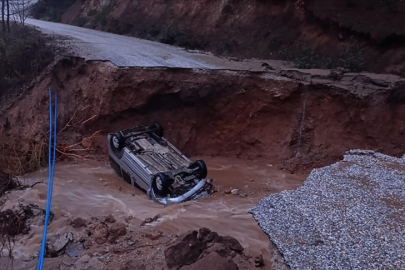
54,147
51,165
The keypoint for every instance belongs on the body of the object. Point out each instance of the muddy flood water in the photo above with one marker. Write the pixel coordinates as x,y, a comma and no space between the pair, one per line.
91,189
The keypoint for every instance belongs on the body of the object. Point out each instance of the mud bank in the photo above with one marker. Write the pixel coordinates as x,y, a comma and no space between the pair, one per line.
285,117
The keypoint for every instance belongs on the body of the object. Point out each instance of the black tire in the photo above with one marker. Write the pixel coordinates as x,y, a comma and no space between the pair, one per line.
117,143
202,168
157,129
116,167
161,184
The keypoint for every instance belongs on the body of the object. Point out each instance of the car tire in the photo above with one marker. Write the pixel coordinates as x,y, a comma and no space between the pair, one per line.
157,129
115,166
202,168
161,184
117,143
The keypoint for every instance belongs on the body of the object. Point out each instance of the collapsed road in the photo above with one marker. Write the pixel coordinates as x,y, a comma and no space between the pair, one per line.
260,132
125,51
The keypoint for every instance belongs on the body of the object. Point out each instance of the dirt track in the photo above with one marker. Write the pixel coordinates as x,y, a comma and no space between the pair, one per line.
124,51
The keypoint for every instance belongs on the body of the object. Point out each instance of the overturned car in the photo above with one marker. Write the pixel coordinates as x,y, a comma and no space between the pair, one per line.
144,158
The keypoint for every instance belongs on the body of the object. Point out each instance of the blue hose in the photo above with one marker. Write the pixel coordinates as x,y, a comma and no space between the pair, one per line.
51,164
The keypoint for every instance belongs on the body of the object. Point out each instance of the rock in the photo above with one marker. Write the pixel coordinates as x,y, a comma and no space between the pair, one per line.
259,260
222,250
77,222
185,250
99,232
110,219
82,237
95,264
61,242
203,233
230,242
153,236
74,249
137,264
210,238
212,262
131,243
225,246
227,191
86,262
189,250
116,230
149,220
69,261
243,194
83,262
235,191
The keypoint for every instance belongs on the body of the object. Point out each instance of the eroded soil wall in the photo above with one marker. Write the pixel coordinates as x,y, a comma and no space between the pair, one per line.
218,113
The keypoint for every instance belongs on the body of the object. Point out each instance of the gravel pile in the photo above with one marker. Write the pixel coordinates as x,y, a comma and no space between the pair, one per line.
350,215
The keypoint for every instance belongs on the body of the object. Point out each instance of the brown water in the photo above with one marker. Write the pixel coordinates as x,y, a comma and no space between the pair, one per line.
92,189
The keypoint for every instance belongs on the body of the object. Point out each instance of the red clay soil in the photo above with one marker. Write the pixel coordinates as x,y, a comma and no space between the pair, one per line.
214,113
261,28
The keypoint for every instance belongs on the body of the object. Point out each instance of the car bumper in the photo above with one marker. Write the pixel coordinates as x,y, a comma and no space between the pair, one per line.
200,191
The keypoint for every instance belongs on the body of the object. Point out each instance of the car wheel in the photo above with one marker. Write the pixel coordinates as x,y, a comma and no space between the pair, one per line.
117,143
157,129
161,184
116,167
202,168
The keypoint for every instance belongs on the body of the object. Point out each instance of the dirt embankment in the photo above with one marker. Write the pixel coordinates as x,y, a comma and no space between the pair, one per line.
314,33
217,113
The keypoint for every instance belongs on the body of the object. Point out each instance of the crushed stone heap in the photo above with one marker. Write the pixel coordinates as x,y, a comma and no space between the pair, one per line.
350,215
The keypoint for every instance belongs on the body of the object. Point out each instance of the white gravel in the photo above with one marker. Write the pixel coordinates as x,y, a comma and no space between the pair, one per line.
350,215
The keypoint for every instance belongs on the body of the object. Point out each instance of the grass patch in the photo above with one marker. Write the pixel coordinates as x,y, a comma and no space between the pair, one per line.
350,58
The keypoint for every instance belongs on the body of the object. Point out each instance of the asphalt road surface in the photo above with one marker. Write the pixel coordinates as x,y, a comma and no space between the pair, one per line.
125,51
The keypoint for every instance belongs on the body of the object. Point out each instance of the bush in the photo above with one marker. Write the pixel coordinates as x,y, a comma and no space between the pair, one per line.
51,9
307,58
351,58
179,38
101,17
24,53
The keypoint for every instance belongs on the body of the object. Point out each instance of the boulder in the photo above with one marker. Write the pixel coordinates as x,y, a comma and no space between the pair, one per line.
185,250
213,261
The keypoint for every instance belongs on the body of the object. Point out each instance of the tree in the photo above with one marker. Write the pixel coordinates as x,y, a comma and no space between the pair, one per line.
8,15
2,15
21,9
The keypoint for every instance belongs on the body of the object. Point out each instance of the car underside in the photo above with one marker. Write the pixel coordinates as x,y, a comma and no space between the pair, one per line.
144,158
